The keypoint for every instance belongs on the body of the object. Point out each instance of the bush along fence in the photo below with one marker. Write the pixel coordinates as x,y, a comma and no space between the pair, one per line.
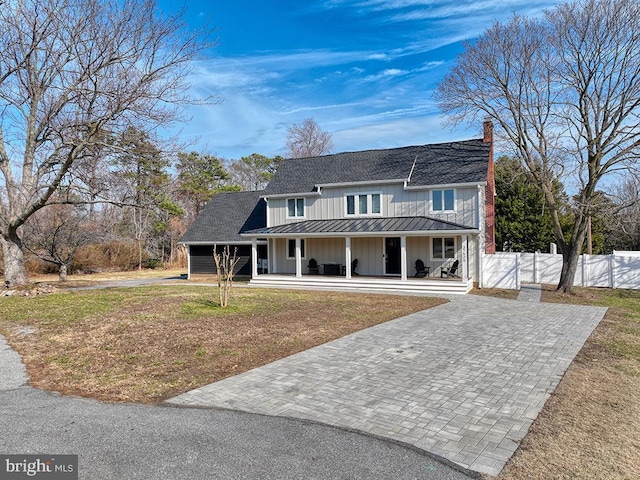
510,270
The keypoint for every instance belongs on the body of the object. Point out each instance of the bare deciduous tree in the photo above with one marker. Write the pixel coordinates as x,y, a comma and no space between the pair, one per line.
225,265
70,71
626,221
565,92
55,234
308,140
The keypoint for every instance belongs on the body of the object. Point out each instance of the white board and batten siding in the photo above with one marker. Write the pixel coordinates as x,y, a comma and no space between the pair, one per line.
395,201
324,250
416,203
369,251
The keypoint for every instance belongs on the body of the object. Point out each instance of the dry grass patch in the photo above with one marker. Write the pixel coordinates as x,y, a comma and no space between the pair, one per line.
496,292
590,427
151,343
84,280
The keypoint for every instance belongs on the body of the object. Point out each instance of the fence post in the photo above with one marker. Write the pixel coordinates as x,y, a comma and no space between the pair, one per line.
481,272
535,267
518,271
584,270
612,270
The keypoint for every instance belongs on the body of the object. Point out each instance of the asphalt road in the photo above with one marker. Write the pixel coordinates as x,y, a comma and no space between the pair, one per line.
129,441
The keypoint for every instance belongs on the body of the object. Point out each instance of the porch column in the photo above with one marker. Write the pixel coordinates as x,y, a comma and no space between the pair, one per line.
465,258
271,253
347,258
254,257
403,258
298,258
188,262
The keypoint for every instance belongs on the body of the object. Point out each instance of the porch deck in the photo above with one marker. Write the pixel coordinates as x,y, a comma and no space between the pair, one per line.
432,285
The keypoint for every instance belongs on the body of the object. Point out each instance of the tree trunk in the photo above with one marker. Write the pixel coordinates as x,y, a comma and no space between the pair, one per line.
15,272
62,272
569,269
571,254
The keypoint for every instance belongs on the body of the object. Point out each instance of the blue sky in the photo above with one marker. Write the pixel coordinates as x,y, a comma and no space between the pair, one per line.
365,70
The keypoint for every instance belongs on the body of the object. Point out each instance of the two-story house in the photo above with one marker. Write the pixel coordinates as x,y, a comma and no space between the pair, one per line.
363,219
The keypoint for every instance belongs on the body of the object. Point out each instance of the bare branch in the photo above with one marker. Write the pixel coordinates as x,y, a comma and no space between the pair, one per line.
71,73
565,92
308,140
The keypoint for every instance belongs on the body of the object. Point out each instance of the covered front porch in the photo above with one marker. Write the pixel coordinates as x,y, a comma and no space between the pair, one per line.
369,253
365,284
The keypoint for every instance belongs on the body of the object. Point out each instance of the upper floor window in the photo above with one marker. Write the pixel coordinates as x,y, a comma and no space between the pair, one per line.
295,207
363,204
443,200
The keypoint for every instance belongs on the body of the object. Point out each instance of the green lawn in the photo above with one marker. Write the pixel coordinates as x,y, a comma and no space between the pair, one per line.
149,343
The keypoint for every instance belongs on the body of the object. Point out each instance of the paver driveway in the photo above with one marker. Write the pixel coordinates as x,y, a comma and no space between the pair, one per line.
115,440
464,380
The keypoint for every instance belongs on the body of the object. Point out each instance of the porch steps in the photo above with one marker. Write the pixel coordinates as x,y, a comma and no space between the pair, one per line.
364,284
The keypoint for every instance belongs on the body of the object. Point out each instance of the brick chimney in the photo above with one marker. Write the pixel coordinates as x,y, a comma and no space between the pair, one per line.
490,193
487,126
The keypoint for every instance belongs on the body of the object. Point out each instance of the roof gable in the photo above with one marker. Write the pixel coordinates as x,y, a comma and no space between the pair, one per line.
436,164
452,163
226,217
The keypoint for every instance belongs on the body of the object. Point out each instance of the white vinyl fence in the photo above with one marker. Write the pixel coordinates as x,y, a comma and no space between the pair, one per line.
510,270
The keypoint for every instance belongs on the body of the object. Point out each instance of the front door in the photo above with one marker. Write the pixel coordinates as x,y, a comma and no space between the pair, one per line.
392,255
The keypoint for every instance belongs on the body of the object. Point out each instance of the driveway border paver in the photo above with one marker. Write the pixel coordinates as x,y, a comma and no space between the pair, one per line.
531,292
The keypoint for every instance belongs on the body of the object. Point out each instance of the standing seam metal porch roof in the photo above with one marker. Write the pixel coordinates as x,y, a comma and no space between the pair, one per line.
360,226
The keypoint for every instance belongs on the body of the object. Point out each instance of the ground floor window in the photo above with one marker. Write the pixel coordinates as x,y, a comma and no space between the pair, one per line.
291,249
443,248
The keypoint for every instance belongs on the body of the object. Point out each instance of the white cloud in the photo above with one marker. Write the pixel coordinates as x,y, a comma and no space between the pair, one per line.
319,108
258,107
447,21
367,98
378,56
387,73
396,132
393,72
431,9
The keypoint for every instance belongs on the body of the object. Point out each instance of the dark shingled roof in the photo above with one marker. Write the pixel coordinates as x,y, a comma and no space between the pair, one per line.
437,164
226,216
362,225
